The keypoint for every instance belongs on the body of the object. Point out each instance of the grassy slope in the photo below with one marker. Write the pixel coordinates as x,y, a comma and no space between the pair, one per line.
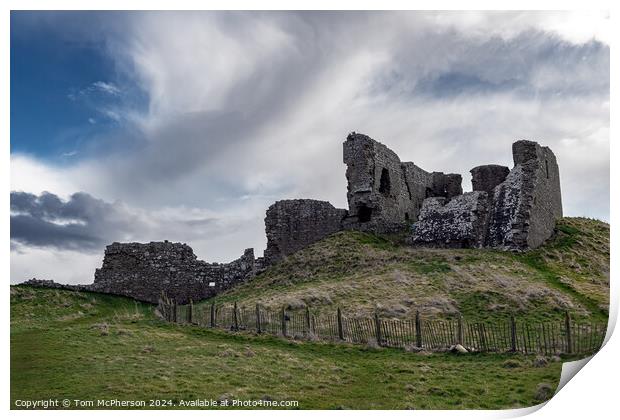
360,272
88,346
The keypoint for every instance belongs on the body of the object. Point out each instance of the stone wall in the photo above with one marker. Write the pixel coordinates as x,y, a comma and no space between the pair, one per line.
459,223
511,210
51,284
487,177
527,204
143,271
385,194
291,225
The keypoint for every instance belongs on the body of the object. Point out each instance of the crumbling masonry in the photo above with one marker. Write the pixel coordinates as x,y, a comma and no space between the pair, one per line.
507,209
385,194
143,271
510,210
291,225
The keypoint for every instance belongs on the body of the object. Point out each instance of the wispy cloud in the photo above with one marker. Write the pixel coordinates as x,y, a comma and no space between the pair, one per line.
105,98
94,88
106,87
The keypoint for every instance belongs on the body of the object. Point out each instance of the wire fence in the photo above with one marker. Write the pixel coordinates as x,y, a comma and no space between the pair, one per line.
509,335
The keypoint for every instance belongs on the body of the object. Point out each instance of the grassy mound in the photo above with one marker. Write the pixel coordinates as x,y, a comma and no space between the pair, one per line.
359,273
88,346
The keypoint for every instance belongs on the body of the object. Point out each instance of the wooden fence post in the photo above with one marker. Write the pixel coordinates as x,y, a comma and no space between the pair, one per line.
308,325
212,315
283,319
481,339
378,329
513,334
340,330
459,332
174,311
160,307
235,319
190,312
418,330
171,310
258,326
166,307
569,338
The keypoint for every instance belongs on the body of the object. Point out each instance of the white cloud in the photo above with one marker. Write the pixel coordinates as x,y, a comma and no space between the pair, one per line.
106,87
573,26
579,26
174,51
44,263
32,175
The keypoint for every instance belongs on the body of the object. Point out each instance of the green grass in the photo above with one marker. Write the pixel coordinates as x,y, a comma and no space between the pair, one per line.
570,264
361,273
552,278
89,346
431,266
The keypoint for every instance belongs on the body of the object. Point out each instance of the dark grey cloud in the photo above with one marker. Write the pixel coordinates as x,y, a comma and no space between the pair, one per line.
82,222
86,224
535,64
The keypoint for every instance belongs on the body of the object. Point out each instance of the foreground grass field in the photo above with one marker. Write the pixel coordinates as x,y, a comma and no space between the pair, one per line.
90,346
361,273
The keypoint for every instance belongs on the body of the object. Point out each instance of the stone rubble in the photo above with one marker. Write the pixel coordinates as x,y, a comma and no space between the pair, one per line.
514,210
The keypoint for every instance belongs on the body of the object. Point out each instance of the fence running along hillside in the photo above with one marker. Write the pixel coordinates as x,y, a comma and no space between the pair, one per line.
510,335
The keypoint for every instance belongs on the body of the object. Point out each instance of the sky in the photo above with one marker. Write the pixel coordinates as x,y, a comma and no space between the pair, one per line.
186,126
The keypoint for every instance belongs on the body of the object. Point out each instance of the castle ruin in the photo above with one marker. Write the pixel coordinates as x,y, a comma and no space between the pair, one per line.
384,194
508,209
291,225
143,271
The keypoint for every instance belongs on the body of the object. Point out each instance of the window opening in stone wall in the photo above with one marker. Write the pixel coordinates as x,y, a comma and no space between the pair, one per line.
406,216
384,182
429,192
364,214
547,168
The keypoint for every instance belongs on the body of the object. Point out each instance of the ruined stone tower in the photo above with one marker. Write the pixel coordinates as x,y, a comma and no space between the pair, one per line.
385,194
526,205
